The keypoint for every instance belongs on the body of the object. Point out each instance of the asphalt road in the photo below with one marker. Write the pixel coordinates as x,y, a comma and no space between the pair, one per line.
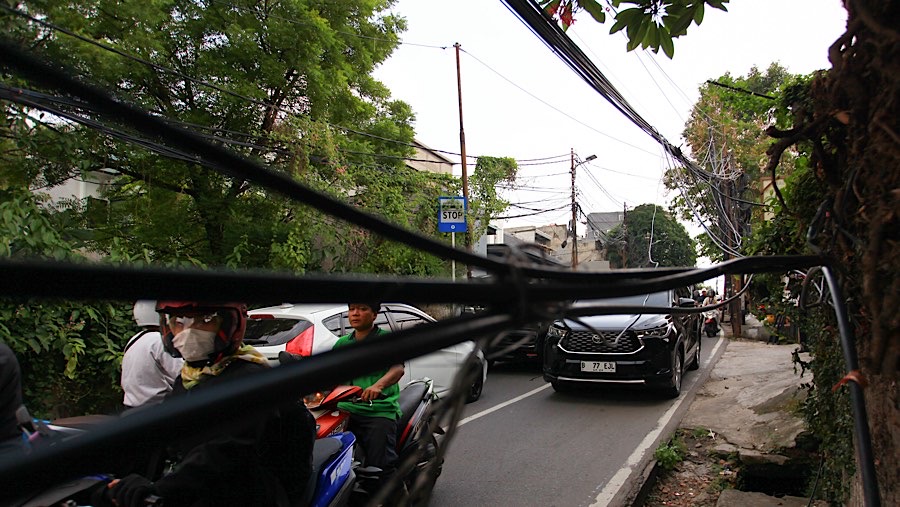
524,444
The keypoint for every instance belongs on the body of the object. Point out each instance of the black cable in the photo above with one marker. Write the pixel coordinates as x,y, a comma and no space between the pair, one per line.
54,280
857,397
735,88
224,161
576,120
185,416
536,212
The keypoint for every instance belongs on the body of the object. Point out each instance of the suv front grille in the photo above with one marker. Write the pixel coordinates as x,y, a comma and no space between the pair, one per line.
602,343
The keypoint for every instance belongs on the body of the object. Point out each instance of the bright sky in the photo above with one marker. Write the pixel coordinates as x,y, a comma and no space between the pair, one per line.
521,101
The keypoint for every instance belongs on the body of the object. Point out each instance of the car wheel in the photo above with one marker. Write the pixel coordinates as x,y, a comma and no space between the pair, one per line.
695,362
561,387
477,387
674,390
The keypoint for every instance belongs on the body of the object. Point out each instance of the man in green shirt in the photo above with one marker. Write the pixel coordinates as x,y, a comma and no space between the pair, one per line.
374,420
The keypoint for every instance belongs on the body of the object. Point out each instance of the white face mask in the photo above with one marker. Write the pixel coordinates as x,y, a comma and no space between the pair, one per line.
195,344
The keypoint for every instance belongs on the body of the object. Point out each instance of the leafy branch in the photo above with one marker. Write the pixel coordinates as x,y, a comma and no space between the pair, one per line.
650,24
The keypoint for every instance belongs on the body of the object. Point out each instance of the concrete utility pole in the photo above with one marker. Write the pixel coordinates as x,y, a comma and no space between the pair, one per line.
575,208
625,235
462,152
574,215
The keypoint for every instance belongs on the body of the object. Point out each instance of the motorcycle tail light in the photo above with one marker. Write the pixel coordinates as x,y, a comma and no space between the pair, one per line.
313,400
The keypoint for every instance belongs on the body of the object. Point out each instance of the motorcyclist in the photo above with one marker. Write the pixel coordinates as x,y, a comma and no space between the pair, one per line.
374,422
710,300
148,371
10,400
264,460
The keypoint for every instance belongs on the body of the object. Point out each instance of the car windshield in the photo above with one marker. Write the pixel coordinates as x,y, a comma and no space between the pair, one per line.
653,299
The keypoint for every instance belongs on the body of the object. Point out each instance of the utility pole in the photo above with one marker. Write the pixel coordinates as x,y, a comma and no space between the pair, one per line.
734,306
574,215
625,235
462,152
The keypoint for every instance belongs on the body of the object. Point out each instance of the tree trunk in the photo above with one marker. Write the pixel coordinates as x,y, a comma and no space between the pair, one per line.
858,157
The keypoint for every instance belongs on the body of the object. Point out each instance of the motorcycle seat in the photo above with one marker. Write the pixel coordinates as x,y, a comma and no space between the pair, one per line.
409,400
324,450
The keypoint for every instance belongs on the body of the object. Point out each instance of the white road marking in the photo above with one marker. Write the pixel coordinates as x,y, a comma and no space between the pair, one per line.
618,480
504,404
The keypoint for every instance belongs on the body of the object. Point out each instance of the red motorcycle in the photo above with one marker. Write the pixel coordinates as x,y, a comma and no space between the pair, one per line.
417,441
711,323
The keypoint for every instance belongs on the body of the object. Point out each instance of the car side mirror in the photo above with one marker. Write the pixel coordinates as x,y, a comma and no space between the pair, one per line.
686,303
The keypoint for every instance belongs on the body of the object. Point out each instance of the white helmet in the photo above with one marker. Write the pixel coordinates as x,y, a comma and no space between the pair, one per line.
145,313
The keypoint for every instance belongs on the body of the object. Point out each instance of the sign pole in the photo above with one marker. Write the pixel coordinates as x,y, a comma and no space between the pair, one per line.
453,261
452,218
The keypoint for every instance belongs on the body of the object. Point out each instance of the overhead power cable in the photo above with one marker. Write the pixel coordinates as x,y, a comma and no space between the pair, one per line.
543,26
206,84
560,111
533,213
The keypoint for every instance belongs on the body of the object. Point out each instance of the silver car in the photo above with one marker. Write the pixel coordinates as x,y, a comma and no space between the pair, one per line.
314,328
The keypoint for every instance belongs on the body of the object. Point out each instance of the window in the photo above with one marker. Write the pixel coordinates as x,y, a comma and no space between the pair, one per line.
333,324
268,332
406,320
342,325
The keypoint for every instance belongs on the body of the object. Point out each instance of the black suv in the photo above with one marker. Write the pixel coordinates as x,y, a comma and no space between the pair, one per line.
636,350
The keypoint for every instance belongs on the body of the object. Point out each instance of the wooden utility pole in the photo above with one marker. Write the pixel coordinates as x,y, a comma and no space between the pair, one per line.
462,152
574,215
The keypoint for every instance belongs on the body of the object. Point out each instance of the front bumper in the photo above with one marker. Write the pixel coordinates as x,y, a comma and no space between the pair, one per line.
651,366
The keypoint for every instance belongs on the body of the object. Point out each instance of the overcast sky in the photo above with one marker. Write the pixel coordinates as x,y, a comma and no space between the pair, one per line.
521,101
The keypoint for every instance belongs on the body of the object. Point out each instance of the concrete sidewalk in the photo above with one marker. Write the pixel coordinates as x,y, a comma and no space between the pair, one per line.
750,401
747,395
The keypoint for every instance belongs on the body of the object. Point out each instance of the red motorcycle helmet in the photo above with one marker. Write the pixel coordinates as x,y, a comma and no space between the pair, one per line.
228,338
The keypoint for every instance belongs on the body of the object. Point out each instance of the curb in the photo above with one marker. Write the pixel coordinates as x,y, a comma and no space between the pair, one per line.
648,480
645,480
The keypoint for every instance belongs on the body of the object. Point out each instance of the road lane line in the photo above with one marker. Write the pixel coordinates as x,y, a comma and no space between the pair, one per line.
504,404
612,487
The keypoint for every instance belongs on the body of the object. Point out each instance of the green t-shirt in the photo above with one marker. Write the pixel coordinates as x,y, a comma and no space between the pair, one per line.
388,406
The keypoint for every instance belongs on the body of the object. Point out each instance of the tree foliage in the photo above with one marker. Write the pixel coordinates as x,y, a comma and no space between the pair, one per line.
285,82
726,134
647,23
234,73
650,237
485,201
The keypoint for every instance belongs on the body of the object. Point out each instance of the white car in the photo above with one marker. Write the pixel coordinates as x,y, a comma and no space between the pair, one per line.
314,328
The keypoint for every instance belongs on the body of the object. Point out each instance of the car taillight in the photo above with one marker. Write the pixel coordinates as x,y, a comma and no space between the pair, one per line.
302,343
262,316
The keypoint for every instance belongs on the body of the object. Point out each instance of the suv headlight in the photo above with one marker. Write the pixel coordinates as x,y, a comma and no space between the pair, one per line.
555,334
656,332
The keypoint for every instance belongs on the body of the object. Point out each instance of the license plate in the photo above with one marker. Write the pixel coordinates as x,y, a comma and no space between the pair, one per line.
598,366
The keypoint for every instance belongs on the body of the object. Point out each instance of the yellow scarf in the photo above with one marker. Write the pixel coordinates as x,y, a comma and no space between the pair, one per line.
191,376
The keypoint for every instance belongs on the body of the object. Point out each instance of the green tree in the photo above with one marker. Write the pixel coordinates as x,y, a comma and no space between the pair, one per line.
233,72
69,352
650,237
485,201
286,82
726,134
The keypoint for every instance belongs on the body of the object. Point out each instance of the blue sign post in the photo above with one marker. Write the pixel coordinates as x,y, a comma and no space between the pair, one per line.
452,219
452,214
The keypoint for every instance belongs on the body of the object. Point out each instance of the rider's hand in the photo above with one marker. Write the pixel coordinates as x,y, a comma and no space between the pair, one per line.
371,393
131,491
